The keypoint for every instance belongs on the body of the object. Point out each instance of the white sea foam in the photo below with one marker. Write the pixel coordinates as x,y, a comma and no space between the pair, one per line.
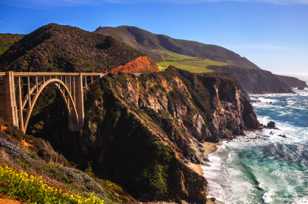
225,176
225,172
303,200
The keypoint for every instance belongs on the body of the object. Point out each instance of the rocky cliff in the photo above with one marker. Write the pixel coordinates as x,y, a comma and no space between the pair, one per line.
144,131
139,65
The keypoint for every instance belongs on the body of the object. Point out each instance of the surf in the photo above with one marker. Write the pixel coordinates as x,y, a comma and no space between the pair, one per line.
266,166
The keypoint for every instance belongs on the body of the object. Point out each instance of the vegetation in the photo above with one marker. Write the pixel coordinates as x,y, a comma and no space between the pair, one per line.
184,62
193,56
34,189
64,48
7,40
157,172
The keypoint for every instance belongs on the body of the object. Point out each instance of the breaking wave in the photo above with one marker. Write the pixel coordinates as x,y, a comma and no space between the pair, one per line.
266,166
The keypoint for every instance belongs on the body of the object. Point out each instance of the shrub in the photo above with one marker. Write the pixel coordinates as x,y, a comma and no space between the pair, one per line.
33,189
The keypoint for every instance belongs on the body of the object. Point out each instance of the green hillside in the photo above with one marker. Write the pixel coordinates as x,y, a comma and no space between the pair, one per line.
192,64
7,40
187,55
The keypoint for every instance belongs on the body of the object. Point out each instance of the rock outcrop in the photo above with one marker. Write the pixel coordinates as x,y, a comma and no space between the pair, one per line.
139,65
146,129
143,131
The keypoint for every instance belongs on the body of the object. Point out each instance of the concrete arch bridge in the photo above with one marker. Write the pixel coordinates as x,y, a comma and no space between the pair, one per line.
20,91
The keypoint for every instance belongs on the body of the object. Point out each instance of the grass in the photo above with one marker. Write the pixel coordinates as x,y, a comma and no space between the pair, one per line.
33,189
7,40
187,63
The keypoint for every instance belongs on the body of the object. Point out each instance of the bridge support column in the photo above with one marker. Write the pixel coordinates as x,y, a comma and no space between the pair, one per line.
10,112
79,101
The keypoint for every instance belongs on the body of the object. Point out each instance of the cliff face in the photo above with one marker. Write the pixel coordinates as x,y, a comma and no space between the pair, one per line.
144,131
139,65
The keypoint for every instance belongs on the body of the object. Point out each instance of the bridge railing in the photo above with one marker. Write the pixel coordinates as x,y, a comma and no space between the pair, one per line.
19,92
97,74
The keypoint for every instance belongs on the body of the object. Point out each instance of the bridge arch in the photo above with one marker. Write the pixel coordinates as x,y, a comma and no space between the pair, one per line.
19,92
64,92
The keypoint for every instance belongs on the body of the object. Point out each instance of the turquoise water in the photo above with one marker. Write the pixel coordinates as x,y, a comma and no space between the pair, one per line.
268,166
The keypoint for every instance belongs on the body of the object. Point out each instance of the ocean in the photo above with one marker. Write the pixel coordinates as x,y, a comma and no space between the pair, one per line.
266,166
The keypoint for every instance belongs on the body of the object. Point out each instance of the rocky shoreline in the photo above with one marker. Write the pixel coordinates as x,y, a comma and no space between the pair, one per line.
174,115
148,133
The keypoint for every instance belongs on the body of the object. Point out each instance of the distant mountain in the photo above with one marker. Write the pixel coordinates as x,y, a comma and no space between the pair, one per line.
57,47
7,40
260,81
198,57
66,48
165,48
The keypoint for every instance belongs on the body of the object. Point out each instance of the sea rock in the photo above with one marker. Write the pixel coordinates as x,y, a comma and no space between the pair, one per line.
271,125
284,136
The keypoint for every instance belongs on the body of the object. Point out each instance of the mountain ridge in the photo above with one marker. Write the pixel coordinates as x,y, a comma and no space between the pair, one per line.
66,48
203,58
56,47
146,39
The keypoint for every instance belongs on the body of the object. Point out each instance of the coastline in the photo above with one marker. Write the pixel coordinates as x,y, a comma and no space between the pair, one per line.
290,130
209,149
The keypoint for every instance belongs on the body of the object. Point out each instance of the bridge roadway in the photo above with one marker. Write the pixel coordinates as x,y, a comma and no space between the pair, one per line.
20,91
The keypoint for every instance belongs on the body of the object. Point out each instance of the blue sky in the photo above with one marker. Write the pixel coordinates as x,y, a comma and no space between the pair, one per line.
271,33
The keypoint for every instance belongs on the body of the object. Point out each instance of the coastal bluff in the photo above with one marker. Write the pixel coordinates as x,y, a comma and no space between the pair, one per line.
146,131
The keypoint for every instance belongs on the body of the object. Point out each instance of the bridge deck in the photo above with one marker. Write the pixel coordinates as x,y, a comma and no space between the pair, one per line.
55,74
19,92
